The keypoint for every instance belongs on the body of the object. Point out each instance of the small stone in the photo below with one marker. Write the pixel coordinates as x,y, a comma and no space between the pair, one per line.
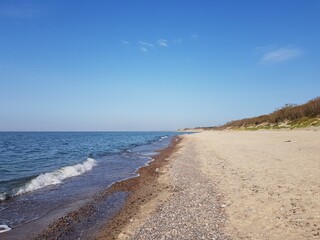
131,220
223,205
157,170
174,232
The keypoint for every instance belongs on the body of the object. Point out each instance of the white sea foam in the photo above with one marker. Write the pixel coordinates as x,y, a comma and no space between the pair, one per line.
57,176
4,228
2,196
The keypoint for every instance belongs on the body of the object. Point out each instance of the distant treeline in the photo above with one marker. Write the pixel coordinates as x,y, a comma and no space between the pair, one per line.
290,112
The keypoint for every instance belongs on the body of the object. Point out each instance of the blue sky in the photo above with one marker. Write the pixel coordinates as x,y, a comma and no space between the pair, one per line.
153,65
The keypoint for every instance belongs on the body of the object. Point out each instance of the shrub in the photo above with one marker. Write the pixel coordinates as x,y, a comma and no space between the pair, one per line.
289,112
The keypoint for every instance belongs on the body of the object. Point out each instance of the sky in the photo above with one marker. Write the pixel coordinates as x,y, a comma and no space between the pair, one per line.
153,65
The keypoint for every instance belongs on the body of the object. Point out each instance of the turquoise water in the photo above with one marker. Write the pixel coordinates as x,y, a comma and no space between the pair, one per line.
42,171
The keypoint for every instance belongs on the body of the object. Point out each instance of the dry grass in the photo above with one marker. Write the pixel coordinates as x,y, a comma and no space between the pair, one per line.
289,116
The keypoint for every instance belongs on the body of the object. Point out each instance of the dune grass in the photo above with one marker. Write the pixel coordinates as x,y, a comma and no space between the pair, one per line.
290,116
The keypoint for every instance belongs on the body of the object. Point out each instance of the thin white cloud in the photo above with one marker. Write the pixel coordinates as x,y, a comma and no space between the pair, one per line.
163,42
125,42
146,44
281,54
143,49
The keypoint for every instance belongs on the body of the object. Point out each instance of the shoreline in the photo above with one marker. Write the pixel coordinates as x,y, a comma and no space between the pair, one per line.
66,225
213,184
145,189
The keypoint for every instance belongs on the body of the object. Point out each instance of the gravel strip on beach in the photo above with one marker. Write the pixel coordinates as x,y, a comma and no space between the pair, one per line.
194,210
146,192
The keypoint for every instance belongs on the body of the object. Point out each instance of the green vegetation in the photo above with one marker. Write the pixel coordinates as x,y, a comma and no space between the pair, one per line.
300,123
305,122
290,116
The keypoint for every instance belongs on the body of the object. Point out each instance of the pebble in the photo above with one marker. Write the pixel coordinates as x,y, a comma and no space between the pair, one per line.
174,232
193,211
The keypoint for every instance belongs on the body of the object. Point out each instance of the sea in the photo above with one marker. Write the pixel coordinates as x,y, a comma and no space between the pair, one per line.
44,175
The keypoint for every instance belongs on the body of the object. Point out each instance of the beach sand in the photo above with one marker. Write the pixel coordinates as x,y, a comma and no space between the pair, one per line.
232,185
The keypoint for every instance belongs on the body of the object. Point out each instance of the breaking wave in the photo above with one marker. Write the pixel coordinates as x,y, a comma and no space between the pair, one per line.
2,196
163,137
56,177
4,228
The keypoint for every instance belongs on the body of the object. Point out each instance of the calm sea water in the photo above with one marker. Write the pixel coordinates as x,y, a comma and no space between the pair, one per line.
44,171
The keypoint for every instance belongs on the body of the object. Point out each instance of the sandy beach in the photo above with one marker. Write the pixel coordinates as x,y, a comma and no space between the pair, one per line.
233,185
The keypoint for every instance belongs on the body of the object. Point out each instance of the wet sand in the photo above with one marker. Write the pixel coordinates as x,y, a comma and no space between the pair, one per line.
229,185
147,191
